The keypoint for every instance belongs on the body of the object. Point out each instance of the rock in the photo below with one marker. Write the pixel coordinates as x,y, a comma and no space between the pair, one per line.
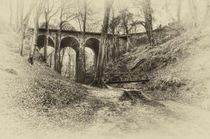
137,96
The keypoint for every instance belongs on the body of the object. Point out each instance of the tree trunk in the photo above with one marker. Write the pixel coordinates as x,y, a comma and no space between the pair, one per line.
59,50
107,53
56,54
22,35
128,43
117,47
81,54
113,48
46,41
98,80
61,63
21,28
148,21
50,61
81,65
35,39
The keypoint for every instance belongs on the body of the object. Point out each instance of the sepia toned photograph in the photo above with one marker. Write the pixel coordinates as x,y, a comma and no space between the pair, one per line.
105,69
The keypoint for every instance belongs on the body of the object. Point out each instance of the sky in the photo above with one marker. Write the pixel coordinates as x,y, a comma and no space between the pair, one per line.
161,15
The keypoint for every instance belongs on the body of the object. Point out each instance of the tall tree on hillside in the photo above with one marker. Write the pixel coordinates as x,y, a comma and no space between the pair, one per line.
98,80
23,22
81,55
65,15
82,12
147,11
127,24
91,19
126,19
147,21
114,27
37,14
49,12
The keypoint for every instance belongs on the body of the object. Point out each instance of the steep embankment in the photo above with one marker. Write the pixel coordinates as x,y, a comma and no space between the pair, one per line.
34,97
178,68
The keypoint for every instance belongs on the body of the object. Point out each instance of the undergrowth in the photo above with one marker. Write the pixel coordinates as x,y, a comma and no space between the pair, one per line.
155,63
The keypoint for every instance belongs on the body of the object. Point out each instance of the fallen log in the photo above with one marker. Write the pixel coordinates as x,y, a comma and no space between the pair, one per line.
132,81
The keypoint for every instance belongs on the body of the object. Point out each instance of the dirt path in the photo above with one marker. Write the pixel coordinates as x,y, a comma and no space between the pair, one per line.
111,94
175,120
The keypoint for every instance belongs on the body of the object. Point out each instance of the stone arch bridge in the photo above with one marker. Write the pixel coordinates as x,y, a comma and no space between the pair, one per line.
74,39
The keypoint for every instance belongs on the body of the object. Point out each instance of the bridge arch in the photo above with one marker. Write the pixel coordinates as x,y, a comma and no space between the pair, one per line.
93,43
70,41
69,55
70,36
95,38
91,53
41,41
50,48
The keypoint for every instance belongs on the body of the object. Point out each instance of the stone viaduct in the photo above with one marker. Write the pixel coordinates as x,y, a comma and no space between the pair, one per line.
74,39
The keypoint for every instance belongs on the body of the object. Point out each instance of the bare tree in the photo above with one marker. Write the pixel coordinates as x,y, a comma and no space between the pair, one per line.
81,55
62,56
65,16
127,23
98,80
148,20
91,20
49,12
37,14
80,13
23,22
114,27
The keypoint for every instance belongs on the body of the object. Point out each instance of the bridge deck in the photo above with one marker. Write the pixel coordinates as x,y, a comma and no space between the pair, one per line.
77,32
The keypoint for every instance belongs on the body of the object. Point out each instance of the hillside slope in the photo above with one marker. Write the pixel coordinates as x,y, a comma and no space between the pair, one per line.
175,69
29,94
